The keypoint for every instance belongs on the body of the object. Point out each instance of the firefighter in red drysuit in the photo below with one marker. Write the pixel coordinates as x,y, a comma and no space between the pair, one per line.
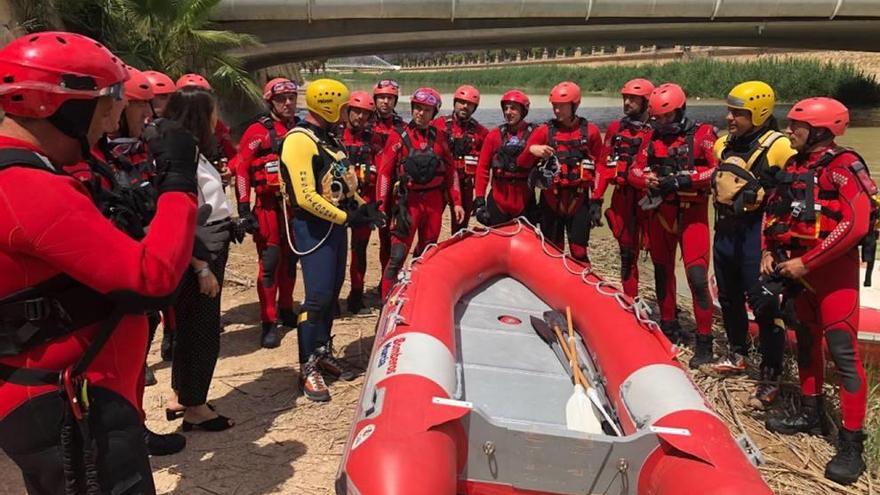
465,137
624,140
362,145
416,172
258,168
568,203
224,151
75,287
385,123
511,195
675,170
822,209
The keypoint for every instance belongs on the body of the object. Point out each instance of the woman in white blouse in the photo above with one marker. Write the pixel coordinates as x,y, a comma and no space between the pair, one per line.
197,309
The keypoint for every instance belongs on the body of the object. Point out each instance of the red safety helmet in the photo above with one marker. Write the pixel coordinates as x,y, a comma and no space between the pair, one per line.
638,87
666,98
161,83
516,96
362,100
387,87
467,93
193,80
40,72
566,92
821,112
138,87
279,86
427,96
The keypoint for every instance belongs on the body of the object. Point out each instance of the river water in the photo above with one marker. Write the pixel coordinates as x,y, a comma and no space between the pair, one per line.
863,135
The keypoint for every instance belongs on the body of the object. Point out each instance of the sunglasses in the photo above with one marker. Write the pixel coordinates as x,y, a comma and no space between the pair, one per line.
425,98
384,83
117,91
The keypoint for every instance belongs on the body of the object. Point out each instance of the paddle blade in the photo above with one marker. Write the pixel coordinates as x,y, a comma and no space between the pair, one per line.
579,415
544,331
555,319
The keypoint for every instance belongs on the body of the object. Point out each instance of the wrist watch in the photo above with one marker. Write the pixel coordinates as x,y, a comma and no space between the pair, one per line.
203,272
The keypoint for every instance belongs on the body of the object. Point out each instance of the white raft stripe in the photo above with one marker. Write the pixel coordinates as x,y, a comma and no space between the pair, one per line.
657,390
412,353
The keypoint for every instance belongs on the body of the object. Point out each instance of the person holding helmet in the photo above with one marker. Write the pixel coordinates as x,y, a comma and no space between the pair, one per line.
321,187
624,140
75,288
259,169
163,86
362,145
416,174
465,136
823,208
568,203
675,169
749,157
511,195
224,152
386,122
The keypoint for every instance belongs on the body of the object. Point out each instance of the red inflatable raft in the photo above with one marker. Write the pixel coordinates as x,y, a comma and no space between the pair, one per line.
463,397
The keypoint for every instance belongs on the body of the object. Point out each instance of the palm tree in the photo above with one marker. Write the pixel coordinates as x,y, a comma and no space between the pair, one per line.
172,36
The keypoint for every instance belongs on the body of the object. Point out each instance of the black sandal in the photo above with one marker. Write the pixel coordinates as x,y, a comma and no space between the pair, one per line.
219,423
172,414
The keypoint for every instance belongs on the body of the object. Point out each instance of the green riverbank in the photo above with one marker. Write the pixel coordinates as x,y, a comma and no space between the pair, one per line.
705,78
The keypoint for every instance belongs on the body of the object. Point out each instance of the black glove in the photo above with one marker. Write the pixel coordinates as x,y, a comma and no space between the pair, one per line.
175,153
684,181
247,219
668,185
238,230
210,239
367,214
479,203
595,212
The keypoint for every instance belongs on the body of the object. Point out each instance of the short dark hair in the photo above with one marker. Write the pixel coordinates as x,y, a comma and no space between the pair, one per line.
192,108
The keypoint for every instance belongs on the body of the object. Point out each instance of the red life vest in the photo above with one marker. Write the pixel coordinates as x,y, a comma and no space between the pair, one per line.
464,147
577,167
361,157
676,157
804,208
625,146
504,161
383,127
265,168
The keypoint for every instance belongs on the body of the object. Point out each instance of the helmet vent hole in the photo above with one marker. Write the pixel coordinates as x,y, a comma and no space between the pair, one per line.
61,40
17,98
8,79
33,38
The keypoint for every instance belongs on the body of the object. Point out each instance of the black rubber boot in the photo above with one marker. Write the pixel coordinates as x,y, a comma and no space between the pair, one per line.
167,350
288,317
149,377
355,304
672,330
848,463
702,351
158,444
810,419
271,336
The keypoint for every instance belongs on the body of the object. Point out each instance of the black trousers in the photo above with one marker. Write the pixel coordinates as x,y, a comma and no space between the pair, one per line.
196,336
31,436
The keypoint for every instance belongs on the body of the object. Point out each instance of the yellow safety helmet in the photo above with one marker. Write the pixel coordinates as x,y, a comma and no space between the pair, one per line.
326,97
755,96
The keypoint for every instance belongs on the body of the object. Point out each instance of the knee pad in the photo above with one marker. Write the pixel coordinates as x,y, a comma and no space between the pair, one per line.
627,260
764,303
660,279
269,259
843,352
698,278
316,307
395,260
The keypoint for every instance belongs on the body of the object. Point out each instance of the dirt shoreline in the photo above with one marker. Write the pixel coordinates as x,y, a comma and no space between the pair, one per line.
285,444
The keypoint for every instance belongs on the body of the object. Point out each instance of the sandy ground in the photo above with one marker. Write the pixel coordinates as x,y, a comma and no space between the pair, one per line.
283,443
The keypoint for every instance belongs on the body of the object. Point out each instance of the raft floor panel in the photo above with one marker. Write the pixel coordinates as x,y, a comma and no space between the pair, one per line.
509,373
